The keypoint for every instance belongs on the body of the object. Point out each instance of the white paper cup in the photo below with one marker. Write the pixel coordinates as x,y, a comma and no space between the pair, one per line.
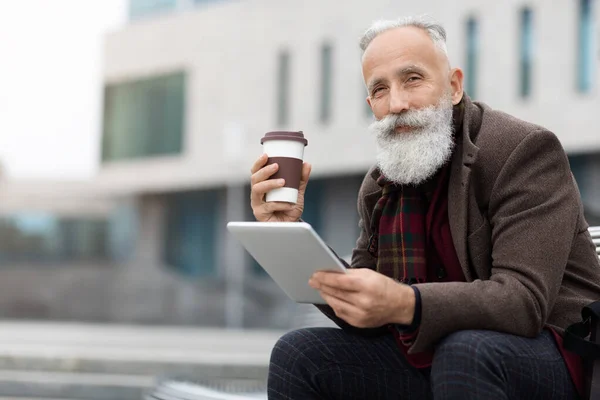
287,150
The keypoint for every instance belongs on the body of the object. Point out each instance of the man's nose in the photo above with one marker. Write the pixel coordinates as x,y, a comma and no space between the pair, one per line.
398,101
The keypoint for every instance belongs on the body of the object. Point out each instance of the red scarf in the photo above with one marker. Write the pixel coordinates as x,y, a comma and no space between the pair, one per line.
399,219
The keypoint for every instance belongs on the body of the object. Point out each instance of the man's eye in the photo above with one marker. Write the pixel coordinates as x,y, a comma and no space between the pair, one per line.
413,78
377,90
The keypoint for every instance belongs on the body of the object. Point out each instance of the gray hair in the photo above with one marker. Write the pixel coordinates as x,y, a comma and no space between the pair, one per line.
436,32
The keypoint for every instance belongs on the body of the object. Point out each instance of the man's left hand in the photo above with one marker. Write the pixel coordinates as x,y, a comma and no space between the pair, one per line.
365,298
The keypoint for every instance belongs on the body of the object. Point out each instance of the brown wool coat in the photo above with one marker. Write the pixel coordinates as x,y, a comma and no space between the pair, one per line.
518,228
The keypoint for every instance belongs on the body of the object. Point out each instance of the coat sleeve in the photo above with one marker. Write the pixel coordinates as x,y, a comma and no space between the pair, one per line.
533,213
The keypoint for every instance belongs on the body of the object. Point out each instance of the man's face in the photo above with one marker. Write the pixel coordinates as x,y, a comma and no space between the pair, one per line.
404,70
411,92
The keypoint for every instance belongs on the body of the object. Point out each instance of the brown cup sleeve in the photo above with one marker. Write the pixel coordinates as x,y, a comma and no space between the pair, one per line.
290,169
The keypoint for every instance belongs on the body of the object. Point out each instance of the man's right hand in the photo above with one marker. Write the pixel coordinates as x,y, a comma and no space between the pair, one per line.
261,184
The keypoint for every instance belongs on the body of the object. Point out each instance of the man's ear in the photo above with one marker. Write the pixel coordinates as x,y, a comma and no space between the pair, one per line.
456,83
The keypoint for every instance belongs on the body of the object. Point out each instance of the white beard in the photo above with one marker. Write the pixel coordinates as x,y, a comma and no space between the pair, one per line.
413,157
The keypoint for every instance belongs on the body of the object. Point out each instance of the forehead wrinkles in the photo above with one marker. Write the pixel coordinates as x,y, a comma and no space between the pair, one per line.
409,44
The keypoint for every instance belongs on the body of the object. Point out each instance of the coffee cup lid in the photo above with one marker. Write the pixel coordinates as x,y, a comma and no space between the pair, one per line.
285,135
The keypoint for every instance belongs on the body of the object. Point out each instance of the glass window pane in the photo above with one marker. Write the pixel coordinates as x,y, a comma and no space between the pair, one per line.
140,8
326,83
526,56
365,104
144,118
190,244
313,204
472,55
585,61
45,238
283,88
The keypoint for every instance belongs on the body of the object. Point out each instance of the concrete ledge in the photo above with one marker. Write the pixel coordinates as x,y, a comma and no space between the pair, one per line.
135,350
73,386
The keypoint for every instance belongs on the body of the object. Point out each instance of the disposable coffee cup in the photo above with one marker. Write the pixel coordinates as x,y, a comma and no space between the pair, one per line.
287,150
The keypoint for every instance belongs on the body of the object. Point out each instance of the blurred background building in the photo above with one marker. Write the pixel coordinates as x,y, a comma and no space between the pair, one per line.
190,86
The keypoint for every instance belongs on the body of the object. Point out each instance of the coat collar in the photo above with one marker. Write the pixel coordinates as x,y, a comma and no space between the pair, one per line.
460,174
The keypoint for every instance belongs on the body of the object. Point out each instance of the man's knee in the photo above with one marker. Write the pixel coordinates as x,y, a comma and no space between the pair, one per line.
468,362
469,347
300,347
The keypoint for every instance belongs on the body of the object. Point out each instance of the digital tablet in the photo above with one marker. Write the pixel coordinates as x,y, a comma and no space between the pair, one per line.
290,252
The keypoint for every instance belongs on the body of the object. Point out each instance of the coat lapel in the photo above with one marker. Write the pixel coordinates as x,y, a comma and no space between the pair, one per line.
458,191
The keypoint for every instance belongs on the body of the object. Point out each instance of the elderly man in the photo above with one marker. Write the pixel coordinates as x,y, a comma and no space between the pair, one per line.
473,254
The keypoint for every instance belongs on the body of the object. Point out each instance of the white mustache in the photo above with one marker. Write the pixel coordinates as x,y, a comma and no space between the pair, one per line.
418,119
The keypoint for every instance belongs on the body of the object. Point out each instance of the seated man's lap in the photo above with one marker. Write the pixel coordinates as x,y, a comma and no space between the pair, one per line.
332,363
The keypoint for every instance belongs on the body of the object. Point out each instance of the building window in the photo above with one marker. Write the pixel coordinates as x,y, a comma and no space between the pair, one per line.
585,56
84,239
144,118
144,8
313,204
368,110
201,2
122,231
326,88
366,107
191,232
526,56
46,238
256,271
141,8
283,88
472,57
579,167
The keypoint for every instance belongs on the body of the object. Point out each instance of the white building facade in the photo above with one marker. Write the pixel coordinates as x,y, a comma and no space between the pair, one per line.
191,86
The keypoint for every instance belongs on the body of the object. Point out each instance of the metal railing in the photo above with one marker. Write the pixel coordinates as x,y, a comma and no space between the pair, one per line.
210,390
595,232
